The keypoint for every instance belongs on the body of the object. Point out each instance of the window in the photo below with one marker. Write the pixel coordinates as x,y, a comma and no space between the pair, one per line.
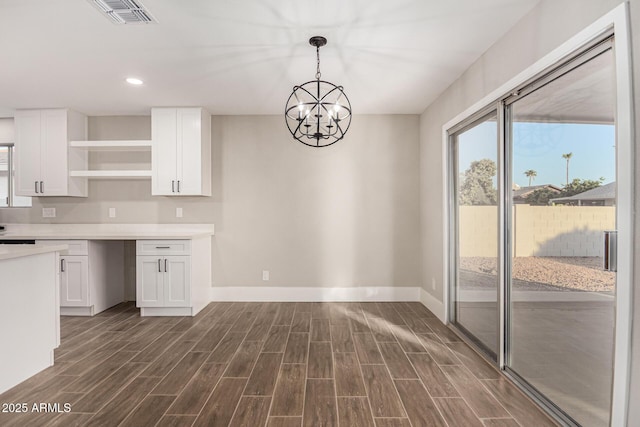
7,183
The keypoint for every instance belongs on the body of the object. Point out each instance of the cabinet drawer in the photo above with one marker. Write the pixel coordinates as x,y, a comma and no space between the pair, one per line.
163,247
76,247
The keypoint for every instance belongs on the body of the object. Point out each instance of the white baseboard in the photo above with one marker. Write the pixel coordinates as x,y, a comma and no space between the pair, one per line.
76,311
166,311
432,303
313,294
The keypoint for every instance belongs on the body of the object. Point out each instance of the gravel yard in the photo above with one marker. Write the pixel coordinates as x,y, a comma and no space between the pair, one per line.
543,273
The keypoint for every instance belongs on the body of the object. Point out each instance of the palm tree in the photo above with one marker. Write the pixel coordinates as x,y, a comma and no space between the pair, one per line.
531,174
567,157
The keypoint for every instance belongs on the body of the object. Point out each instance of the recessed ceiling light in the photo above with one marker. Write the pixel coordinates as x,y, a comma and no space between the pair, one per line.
134,81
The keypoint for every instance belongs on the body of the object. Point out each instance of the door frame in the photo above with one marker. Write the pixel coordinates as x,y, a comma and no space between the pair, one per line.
615,22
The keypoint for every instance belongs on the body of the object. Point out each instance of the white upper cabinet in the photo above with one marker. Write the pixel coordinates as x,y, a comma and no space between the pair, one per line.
43,159
181,152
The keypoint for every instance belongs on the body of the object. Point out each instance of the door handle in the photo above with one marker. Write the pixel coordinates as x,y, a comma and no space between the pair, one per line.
36,183
610,251
159,266
42,187
62,265
178,186
173,183
165,265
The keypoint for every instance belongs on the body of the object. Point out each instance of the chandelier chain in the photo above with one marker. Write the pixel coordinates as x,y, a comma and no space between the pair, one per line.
318,57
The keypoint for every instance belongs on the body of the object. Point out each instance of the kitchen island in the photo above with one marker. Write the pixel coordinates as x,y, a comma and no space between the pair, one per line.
29,310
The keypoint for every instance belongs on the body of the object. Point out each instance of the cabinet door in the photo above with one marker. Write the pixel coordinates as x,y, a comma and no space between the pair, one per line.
27,146
149,281
189,158
54,161
177,281
164,174
74,281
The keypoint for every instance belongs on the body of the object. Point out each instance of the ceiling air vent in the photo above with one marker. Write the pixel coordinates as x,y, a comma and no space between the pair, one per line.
124,11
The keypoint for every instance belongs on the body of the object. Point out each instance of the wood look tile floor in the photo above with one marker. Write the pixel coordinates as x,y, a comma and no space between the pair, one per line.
273,365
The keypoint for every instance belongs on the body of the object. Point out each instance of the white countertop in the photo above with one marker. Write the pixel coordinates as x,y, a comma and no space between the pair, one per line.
106,231
17,251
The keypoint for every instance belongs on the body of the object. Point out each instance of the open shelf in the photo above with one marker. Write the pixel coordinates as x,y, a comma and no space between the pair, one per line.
112,174
132,145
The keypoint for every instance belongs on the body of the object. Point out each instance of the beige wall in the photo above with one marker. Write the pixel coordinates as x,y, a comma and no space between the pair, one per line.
478,231
341,216
561,230
550,231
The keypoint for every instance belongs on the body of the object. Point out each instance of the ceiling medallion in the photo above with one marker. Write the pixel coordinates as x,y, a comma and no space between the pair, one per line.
318,113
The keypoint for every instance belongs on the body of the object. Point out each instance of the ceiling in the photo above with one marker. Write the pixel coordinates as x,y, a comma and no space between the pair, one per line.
586,94
242,56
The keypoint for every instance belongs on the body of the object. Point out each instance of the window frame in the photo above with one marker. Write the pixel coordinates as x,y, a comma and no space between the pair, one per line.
10,177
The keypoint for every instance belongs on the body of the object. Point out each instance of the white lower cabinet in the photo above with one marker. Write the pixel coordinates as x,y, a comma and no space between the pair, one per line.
74,281
91,275
164,281
173,277
177,281
149,281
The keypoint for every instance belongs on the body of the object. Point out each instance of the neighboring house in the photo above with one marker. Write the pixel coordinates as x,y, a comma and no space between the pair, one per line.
605,195
520,193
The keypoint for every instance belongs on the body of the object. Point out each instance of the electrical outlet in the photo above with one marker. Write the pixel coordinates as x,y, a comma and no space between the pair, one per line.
112,212
178,212
48,212
265,275
433,283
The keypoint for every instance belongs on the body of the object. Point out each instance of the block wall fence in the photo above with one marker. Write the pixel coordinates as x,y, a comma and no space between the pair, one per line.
550,231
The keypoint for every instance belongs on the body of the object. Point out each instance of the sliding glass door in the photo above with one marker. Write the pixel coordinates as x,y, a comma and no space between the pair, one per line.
535,179
475,296
561,304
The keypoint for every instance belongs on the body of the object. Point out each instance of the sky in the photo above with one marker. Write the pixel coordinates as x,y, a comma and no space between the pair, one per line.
539,146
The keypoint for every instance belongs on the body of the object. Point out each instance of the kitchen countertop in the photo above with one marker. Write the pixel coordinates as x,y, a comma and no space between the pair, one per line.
17,251
106,231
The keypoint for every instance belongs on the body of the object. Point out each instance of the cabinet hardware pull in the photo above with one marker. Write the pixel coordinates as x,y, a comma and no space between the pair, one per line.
159,266
165,265
178,186
36,182
163,247
62,265
173,190
42,187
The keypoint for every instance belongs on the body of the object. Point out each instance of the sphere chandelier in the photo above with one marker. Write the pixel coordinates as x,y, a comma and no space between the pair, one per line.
318,113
